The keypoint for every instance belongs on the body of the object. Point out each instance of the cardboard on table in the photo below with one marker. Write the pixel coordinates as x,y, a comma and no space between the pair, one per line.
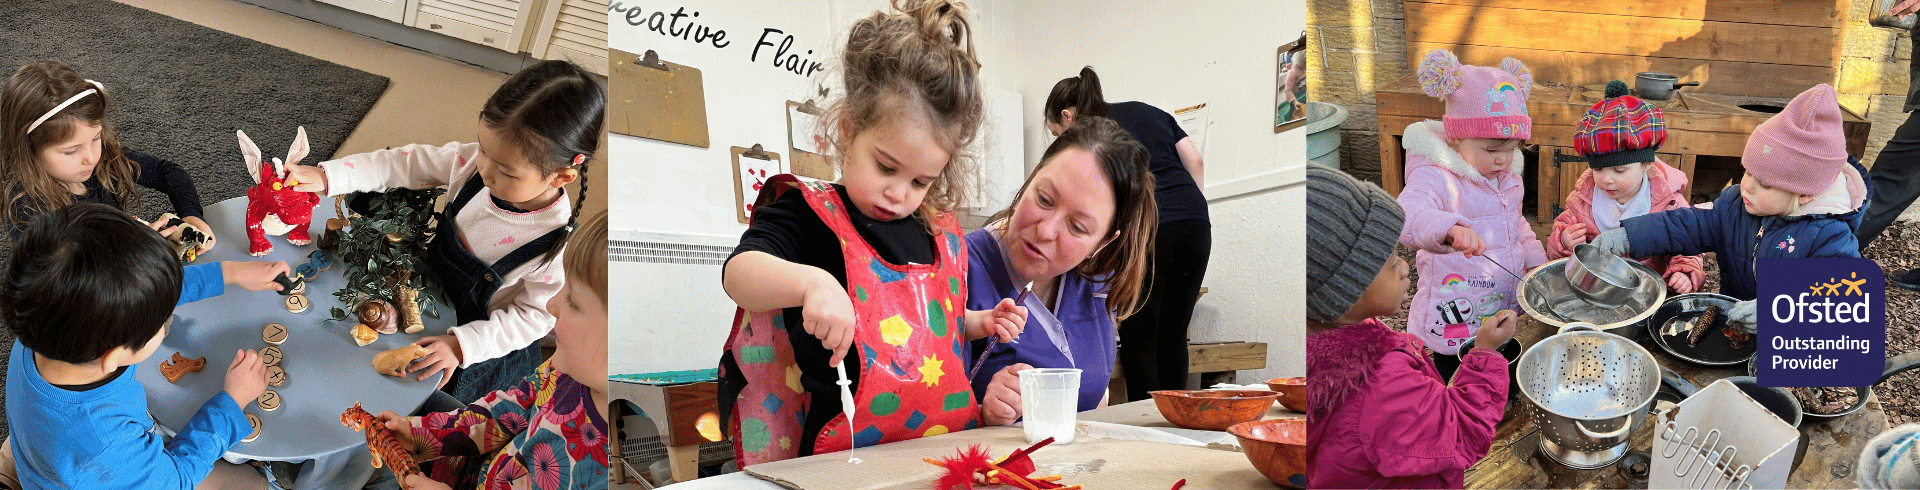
1101,463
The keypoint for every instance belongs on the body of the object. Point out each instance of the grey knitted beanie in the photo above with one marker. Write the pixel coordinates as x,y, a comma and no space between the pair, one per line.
1351,230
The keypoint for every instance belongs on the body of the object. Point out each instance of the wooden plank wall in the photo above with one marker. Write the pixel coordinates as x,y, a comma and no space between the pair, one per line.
1766,48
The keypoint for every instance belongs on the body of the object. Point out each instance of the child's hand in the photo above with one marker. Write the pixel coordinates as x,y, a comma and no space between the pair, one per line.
418,481
1905,8
829,316
1680,283
1001,404
1573,235
1494,334
1006,320
1465,241
246,377
308,178
253,276
1614,241
401,430
443,354
1742,316
204,230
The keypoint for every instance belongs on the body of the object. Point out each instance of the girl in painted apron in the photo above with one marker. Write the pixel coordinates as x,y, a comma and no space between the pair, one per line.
493,252
869,270
1080,231
1463,199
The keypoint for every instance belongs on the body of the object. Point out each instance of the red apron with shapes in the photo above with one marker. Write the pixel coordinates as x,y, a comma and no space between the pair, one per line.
909,336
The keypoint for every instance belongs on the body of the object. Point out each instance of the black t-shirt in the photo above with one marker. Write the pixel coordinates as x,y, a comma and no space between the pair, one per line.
156,173
789,229
1174,190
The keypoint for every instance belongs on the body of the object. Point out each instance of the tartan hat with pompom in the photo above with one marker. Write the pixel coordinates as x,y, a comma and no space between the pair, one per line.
1620,130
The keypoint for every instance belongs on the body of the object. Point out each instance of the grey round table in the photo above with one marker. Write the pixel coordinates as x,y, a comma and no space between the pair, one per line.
326,371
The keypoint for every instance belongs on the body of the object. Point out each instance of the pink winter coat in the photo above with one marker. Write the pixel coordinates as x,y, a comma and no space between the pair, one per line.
1669,191
1457,293
1383,418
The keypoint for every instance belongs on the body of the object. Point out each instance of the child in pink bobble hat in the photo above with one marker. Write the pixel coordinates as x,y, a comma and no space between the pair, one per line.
1463,199
1801,197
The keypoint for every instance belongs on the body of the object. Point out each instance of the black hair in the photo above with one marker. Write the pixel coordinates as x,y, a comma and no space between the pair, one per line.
553,112
86,279
1080,93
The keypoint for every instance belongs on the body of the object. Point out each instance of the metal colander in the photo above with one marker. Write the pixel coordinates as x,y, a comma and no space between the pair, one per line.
1589,390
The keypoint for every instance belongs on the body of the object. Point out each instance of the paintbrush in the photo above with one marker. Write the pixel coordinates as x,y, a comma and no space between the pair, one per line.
846,405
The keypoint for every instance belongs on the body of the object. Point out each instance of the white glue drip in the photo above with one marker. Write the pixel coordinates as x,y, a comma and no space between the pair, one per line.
846,407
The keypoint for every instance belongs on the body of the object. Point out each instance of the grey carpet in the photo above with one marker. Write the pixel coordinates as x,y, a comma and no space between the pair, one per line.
182,89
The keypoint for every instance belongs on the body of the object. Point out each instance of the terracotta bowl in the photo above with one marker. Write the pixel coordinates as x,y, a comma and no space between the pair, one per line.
1212,410
1278,448
1293,393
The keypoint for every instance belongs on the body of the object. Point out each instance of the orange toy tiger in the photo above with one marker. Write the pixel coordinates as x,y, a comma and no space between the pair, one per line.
386,446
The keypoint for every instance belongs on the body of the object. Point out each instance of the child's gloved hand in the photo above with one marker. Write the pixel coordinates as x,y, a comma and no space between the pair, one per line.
1001,404
308,178
1680,282
1465,241
246,377
1573,235
1612,241
1496,332
254,276
1888,460
443,354
828,315
1742,316
1905,8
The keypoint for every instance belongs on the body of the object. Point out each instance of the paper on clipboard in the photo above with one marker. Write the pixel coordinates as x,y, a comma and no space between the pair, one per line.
811,152
1193,120
751,169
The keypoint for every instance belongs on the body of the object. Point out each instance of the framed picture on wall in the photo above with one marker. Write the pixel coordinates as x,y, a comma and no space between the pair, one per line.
1290,99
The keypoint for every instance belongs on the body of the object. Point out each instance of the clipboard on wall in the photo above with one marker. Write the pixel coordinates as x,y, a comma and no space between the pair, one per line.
655,99
751,169
809,152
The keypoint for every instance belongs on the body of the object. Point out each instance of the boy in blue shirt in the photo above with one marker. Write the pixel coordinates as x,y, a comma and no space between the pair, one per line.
89,294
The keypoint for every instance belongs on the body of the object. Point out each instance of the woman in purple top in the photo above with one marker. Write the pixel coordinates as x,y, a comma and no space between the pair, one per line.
1079,231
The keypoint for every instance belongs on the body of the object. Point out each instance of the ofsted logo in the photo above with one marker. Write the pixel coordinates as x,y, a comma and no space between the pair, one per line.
1822,322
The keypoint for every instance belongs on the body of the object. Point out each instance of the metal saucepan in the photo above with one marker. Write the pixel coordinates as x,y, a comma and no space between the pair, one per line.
1510,350
1547,297
1714,348
1658,86
1895,365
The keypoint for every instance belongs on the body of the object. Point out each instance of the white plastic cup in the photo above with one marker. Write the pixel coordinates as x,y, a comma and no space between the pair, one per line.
1048,402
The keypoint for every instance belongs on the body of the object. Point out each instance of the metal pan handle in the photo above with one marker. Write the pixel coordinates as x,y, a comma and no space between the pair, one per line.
1899,364
1582,425
1577,326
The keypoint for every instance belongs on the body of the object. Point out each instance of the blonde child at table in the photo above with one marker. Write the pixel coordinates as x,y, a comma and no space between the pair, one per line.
1801,197
510,216
1463,199
1382,417
882,244
58,148
88,293
548,431
1624,179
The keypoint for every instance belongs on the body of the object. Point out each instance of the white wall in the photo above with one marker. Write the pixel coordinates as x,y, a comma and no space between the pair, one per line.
1178,54
1168,54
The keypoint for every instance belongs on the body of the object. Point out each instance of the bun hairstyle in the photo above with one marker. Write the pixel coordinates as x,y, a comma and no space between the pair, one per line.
915,61
33,91
1080,93
1120,264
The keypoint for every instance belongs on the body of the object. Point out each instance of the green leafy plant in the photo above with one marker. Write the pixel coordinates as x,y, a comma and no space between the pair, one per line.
386,245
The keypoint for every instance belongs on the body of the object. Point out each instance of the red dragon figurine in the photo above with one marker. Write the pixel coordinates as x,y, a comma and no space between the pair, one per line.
384,444
273,207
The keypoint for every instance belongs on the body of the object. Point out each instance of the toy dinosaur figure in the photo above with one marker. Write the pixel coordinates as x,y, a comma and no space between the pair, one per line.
384,444
273,207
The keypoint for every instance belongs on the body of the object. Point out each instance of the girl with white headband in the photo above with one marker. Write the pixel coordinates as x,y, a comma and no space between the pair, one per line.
57,148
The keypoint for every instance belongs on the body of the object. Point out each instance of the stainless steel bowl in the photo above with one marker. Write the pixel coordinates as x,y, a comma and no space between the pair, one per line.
1547,297
1601,278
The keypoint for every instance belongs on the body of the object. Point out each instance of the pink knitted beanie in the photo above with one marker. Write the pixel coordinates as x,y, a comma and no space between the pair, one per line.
1801,149
1482,102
